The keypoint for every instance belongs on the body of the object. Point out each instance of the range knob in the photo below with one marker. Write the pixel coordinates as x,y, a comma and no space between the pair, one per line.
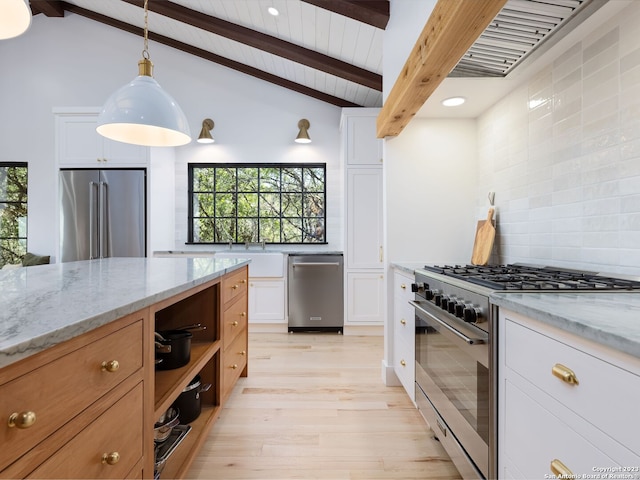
437,298
459,309
429,294
419,286
451,307
444,302
472,314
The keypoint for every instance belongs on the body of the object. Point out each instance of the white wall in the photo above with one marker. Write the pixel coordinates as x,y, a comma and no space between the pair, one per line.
562,153
76,62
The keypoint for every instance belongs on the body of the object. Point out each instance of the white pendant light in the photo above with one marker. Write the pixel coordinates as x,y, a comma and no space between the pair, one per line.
15,18
141,112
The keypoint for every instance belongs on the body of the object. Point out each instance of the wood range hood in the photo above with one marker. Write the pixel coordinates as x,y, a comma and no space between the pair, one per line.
476,38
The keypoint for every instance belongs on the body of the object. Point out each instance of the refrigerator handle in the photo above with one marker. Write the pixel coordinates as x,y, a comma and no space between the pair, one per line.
103,225
93,193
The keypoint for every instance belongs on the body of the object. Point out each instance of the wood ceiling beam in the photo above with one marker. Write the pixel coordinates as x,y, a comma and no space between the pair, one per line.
449,32
50,8
265,42
371,12
190,49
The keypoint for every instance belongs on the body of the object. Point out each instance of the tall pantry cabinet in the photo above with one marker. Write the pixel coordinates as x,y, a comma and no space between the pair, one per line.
364,249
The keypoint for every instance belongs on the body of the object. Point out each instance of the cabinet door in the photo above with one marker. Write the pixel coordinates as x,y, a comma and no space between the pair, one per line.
266,300
365,298
363,148
80,145
364,218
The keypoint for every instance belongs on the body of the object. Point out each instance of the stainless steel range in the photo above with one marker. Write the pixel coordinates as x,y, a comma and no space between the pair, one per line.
456,378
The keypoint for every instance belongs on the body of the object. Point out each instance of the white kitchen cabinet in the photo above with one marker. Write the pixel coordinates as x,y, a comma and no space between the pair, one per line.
364,218
364,248
266,300
79,145
404,332
546,418
362,147
365,298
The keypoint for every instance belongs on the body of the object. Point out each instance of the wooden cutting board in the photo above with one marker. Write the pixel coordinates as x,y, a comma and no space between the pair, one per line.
485,234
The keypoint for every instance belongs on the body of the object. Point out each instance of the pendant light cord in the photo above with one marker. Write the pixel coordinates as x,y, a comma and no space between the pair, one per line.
145,52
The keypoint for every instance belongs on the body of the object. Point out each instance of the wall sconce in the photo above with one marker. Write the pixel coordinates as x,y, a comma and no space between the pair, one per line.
205,133
303,134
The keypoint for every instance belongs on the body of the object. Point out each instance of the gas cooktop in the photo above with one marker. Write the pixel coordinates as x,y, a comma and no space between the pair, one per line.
525,277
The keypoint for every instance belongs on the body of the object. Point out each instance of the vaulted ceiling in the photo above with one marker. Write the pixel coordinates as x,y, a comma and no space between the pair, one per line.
327,49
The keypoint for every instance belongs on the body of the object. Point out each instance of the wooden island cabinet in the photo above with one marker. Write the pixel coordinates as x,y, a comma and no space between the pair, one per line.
86,407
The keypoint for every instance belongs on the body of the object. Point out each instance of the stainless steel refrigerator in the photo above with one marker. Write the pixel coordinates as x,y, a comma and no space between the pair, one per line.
102,213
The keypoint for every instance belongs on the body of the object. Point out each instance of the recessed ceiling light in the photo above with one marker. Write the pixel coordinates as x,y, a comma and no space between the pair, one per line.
273,11
453,101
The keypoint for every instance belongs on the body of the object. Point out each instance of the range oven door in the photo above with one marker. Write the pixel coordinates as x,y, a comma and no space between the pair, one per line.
452,371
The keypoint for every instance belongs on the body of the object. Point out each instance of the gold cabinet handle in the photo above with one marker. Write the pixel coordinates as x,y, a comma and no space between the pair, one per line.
403,286
403,363
243,281
110,458
560,470
381,258
22,420
243,314
235,287
565,374
234,366
235,324
243,353
110,366
403,321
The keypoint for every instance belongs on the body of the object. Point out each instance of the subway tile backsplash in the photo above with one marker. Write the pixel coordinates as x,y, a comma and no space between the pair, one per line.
562,153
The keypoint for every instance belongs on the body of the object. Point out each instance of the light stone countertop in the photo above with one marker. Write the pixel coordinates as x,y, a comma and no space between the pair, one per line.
44,305
407,267
610,319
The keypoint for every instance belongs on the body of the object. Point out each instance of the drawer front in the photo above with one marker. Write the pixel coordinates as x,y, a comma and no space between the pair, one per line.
116,431
547,438
605,395
234,320
234,359
234,285
59,390
405,365
402,286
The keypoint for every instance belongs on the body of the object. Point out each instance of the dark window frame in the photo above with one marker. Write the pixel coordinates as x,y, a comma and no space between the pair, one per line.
6,201
191,218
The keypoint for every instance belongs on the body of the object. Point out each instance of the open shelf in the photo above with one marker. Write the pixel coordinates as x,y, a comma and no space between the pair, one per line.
170,383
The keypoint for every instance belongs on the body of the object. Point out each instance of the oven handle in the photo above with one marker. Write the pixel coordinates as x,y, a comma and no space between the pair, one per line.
470,341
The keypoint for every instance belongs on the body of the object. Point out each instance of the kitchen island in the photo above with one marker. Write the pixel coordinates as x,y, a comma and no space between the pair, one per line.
78,387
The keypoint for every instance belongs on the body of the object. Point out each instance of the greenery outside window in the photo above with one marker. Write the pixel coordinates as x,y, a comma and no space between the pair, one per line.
271,203
13,212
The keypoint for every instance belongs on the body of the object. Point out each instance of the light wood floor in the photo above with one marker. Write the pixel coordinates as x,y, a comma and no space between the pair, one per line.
314,407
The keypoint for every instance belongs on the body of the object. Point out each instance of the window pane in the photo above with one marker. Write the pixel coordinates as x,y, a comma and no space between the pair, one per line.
313,230
291,205
225,230
247,205
13,212
226,179
203,179
226,205
292,230
203,230
247,230
12,250
202,205
269,205
247,179
292,179
314,179
314,205
270,230
269,179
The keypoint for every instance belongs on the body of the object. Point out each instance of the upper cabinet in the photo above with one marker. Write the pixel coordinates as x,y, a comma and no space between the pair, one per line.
361,145
79,145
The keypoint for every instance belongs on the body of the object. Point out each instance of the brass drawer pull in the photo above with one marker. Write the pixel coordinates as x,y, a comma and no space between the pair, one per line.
22,420
243,353
111,366
403,321
565,374
235,324
234,366
244,280
110,458
235,287
243,314
403,286
560,470
403,363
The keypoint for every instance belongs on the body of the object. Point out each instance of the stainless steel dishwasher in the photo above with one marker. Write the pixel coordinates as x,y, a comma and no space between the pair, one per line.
316,293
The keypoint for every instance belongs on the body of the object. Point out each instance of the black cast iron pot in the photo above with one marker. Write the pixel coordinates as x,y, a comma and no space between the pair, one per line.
189,401
173,347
